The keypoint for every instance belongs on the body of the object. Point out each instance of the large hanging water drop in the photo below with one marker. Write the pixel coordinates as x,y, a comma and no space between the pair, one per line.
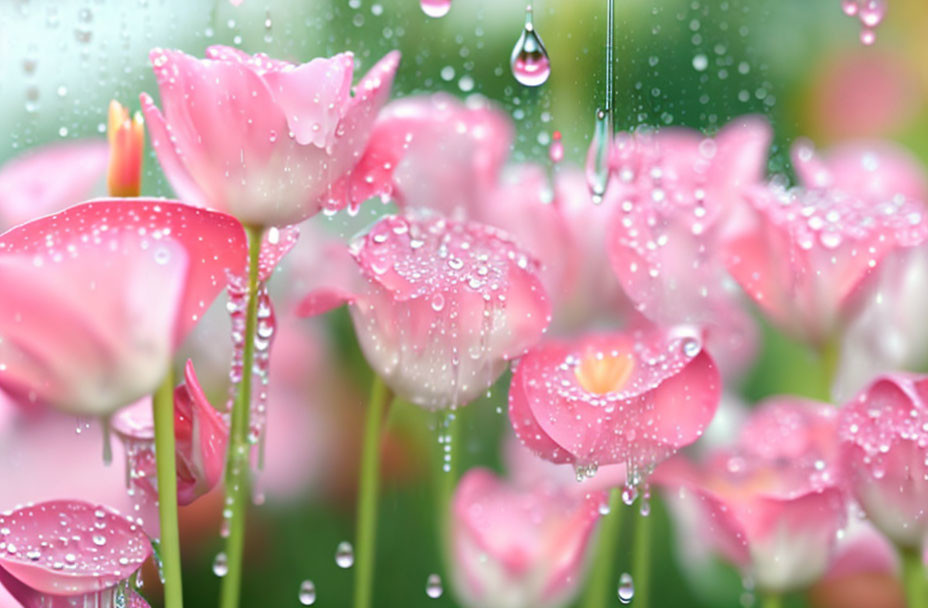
597,158
626,588
529,61
435,8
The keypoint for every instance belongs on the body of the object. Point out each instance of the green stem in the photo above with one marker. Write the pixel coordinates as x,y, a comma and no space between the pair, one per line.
238,466
601,589
447,472
772,600
914,578
165,457
368,488
641,564
829,356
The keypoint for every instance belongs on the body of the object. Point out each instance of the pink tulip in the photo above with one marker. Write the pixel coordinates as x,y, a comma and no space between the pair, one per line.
101,295
441,307
200,435
26,192
518,547
772,503
629,398
260,138
60,554
675,194
808,254
884,453
434,152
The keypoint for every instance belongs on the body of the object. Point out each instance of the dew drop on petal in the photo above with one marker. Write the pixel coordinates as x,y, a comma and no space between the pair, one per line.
307,593
220,565
626,588
344,555
433,586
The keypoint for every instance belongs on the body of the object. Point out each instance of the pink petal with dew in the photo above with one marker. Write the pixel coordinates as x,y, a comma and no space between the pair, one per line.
884,449
357,123
223,119
145,271
170,156
202,435
463,146
877,169
536,538
807,254
60,548
28,192
314,97
666,403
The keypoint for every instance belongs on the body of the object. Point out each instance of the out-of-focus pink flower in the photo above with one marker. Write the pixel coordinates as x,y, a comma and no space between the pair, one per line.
674,195
127,145
442,306
65,553
260,138
518,548
863,573
808,252
200,435
629,398
27,191
772,503
101,294
863,93
874,170
434,152
33,445
884,454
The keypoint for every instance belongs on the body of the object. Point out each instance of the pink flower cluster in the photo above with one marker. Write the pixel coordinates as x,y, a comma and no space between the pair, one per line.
645,294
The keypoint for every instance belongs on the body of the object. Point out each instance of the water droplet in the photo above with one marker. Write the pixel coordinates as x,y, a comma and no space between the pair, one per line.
597,159
307,593
435,8
556,150
344,555
433,587
220,565
529,61
700,62
626,588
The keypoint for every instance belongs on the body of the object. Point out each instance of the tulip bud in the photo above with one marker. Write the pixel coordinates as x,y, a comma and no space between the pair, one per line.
127,142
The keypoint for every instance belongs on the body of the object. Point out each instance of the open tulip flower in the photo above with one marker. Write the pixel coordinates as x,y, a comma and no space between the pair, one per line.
260,138
675,194
884,452
60,554
106,291
200,434
772,503
442,307
809,254
626,398
519,547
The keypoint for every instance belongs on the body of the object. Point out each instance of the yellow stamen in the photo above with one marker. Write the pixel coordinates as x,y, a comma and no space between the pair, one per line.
600,373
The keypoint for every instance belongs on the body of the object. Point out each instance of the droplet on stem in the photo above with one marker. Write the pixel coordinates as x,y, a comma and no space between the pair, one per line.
597,158
626,588
307,593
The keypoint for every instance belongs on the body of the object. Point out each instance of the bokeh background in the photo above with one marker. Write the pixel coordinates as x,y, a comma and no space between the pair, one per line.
695,63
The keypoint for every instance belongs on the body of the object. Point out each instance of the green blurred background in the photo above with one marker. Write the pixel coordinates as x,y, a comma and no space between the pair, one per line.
696,63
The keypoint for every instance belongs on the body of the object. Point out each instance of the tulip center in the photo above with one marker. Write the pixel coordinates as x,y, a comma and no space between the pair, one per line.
601,373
